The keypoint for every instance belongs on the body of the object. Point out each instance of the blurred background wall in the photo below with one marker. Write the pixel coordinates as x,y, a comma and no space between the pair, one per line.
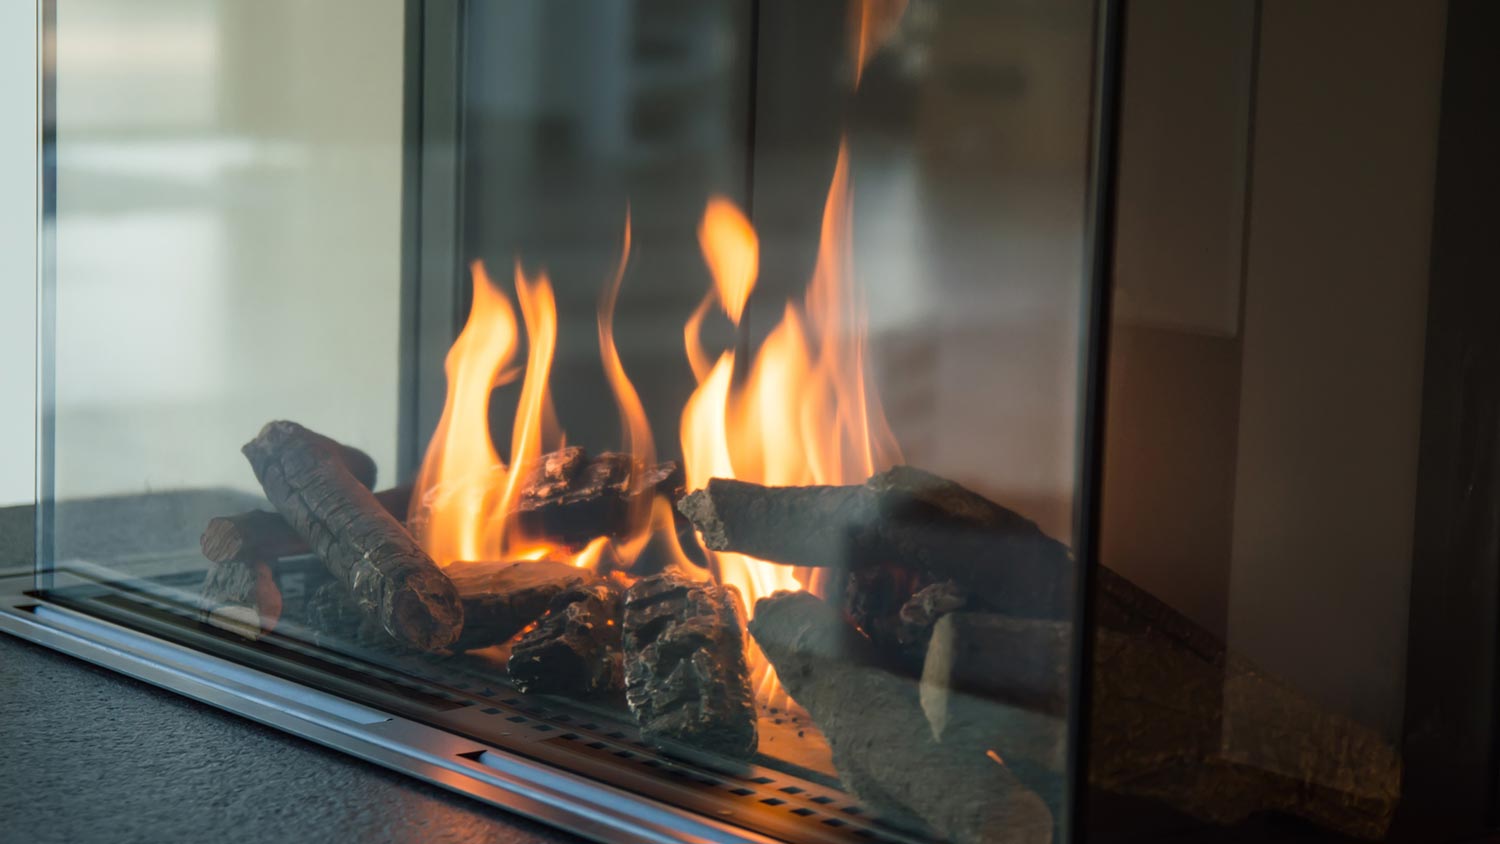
17,249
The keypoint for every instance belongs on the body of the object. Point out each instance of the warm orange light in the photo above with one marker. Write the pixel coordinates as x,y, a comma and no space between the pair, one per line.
460,470
539,311
635,429
733,254
802,415
796,410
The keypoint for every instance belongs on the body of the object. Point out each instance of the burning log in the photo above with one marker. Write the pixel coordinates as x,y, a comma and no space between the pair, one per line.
575,648
927,527
241,598
686,679
501,598
259,535
1001,683
867,715
571,498
363,545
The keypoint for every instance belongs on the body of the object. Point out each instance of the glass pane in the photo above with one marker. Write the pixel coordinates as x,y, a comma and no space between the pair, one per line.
683,394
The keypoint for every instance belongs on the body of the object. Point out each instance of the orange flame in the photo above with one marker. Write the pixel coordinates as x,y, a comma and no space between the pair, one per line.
460,469
803,414
733,254
797,411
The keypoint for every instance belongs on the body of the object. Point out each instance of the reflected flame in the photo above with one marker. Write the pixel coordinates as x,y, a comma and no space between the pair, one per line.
874,23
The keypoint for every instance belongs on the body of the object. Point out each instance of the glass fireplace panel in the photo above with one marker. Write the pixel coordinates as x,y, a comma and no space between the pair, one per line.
684,395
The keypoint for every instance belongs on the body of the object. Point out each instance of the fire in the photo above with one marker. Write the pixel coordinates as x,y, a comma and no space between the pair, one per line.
465,494
453,499
797,410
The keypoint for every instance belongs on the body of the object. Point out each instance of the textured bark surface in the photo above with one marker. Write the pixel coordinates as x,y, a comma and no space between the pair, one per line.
260,535
924,525
571,497
501,598
363,545
334,619
241,598
874,723
686,679
576,648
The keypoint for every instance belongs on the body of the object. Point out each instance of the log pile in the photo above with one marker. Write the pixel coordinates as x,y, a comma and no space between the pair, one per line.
892,537
872,719
937,667
980,592
686,679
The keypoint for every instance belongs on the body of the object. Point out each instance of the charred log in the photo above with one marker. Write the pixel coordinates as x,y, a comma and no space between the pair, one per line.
501,598
574,649
686,679
241,598
260,535
867,713
570,497
363,546
335,620
927,527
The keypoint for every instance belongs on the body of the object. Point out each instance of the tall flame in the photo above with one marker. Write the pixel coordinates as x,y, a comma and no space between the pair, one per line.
464,492
539,311
797,410
460,470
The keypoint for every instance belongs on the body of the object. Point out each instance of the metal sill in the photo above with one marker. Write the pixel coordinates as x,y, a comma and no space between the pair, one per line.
489,774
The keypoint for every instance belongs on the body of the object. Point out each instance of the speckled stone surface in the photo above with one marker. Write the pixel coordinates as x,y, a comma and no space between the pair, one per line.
90,756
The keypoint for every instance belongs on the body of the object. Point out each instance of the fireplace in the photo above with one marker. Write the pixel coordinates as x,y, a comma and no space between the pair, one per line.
732,421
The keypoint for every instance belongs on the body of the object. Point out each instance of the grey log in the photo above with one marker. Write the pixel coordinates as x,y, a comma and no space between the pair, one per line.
874,723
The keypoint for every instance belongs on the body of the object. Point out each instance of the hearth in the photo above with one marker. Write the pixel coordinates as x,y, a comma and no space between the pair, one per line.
687,421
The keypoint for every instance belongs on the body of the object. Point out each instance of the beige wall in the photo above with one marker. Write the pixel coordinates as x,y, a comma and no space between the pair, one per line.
1335,312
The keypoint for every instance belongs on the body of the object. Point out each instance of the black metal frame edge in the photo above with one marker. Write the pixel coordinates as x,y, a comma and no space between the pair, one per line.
1451,741
431,214
1109,33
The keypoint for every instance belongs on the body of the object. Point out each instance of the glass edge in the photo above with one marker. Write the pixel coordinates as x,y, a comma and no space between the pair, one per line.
1094,352
46,286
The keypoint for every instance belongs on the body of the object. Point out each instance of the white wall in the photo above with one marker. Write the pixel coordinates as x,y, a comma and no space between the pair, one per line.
228,234
17,250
